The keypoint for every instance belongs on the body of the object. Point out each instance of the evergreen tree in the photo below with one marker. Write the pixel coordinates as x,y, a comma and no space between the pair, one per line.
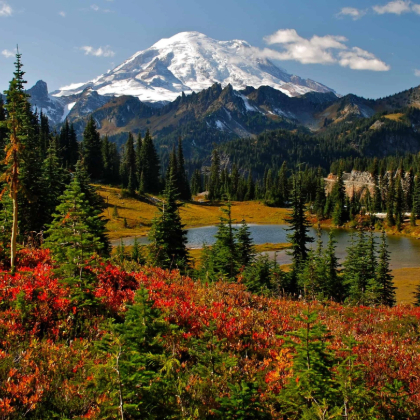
416,197
399,204
139,144
339,198
320,197
74,239
96,205
183,184
384,287
19,131
283,185
196,182
128,165
245,245
222,259
132,375
359,270
299,237
214,181
311,386
250,188
55,180
91,147
390,200
334,287
168,238
150,167
377,206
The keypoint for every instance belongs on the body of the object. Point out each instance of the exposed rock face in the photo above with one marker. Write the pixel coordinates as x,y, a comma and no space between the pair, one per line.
355,182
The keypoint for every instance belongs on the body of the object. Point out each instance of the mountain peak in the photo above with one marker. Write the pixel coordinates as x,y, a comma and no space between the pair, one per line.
190,62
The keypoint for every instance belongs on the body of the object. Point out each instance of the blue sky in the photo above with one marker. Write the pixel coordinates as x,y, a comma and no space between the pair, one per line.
69,41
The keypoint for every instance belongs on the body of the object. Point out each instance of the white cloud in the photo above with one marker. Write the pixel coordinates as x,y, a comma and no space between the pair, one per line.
416,8
417,72
352,12
358,59
396,7
306,51
96,8
5,9
329,49
8,53
62,14
98,52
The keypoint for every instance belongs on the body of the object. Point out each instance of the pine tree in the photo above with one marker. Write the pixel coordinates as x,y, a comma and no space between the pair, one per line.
128,165
136,253
183,184
320,197
359,270
299,237
96,204
73,240
283,186
377,206
334,287
245,245
138,369
19,130
150,167
399,203
390,201
339,198
214,181
91,147
139,144
416,197
250,188
168,238
384,287
55,180
311,384
196,182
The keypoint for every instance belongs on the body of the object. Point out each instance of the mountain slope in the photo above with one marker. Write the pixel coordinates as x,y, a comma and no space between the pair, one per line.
190,62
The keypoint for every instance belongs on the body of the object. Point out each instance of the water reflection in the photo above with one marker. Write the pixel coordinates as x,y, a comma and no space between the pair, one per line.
405,252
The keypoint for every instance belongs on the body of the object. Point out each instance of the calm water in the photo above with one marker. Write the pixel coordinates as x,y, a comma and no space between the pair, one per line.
405,252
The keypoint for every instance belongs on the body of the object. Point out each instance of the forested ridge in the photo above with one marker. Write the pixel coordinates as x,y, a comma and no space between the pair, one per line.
145,333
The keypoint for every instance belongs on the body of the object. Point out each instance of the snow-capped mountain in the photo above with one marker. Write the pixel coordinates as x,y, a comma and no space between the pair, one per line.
190,62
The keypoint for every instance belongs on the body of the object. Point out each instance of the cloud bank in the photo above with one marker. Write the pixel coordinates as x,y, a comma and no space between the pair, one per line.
329,49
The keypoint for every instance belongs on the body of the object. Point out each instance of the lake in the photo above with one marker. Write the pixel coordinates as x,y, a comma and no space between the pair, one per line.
405,252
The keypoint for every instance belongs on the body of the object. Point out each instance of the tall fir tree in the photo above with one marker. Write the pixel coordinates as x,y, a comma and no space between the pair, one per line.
168,238
245,245
183,184
128,164
150,166
91,150
390,198
55,180
19,131
214,181
339,198
139,144
384,284
299,230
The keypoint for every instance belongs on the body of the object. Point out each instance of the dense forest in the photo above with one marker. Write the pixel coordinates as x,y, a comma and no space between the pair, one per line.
145,333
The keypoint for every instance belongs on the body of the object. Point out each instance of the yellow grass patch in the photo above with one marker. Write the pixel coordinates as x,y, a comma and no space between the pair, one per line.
406,280
139,214
394,117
